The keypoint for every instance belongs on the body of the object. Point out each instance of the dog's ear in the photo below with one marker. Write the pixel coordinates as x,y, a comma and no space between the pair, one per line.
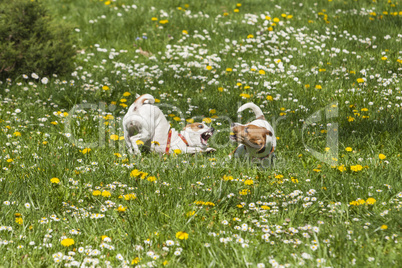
267,133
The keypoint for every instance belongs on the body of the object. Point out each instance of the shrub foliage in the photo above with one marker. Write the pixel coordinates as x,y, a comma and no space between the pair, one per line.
30,41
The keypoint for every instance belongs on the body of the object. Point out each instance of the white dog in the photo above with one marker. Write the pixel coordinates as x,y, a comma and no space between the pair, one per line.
257,138
145,125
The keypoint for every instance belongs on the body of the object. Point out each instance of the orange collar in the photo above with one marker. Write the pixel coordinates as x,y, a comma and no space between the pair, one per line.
168,141
184,139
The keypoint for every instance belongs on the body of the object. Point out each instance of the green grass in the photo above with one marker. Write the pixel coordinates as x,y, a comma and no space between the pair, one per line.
299,212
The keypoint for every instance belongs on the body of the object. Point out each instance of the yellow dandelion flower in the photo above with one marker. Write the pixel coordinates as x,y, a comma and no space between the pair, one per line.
163,21
318,86
96,193
207,120
105,88
106,193
356,168
370,201
114,137
182,235
121,208
86,150
135,260
209,68
117,154
261,72
151,178
55,180
276,20
382,156
384,227
227,178
245,95
184,32
348,149
139,142
67,242
248,182
126,94
190,213
360,80
17,134
19,220
341,168
177,151
229,69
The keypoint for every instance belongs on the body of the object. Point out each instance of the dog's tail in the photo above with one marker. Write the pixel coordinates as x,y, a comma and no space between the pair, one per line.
257,111
143,99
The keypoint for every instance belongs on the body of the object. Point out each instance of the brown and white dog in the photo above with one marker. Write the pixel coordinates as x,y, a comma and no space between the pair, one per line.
257,138
144,124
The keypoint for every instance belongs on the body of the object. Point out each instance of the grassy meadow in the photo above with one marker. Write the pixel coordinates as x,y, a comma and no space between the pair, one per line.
70,195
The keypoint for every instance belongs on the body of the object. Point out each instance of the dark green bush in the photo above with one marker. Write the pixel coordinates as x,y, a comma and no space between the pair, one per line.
30,41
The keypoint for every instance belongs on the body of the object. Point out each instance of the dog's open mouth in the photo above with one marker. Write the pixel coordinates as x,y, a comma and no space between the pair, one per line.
205,136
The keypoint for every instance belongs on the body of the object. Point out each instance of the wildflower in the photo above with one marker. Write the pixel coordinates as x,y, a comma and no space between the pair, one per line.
105,88
227,178
163,21
360,80
117,154
17,134
384,227
228,69
139,142
209,68
151,178
348,149
86,150
96,193
318,87
177,151
67,242
182,235
269,98
121,208
114,137
248,182
54,180
19,220
135,260
370,201
245,95
341,168
261,71
106,193
382,156
356,168
155,142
